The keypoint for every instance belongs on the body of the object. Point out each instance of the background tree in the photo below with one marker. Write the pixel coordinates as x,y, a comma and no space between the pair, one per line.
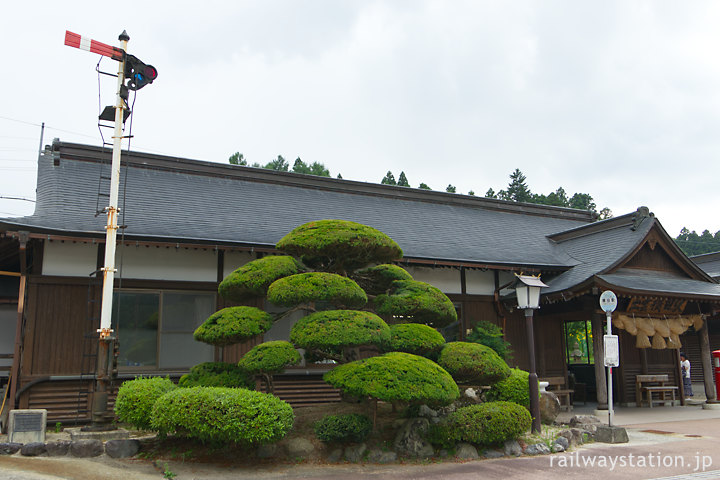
314,168
582,201
471,193
490,193
450,188
388,179
424,186
279,164
693,244
402,180
237,158
517,189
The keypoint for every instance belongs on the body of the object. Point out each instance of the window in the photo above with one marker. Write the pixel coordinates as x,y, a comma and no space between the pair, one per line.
155,328
579,343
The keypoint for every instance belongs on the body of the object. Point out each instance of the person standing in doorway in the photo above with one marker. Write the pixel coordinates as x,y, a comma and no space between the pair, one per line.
685,367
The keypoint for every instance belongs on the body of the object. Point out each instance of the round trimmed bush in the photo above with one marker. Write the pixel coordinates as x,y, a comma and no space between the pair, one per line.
378,279
331,330
514,388
135,400
217,374
253,279
489,334
473,363
490,423
316,287
418,302
339,245
395,377
269,357
414,338
219,415
233,325
351,427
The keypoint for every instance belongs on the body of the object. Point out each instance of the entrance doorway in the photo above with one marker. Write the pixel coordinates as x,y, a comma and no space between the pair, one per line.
580,357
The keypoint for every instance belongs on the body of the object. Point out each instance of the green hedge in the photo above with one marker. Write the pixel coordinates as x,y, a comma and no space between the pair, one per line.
514,388
269,357
490,423
417,302
233,325
339,245
414,338
473,363
395,377
333,329
377,280
317,287
489,334
217,374
253,279
135,400
220,415
351,427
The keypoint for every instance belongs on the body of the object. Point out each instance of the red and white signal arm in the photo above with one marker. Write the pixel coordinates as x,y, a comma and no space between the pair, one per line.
89,45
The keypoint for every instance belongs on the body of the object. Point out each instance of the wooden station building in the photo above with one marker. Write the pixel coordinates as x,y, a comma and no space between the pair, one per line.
188,224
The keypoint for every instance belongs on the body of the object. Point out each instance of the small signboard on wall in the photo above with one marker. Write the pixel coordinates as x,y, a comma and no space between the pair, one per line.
612,350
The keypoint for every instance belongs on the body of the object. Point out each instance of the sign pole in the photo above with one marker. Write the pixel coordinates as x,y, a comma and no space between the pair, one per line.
608,303
608,316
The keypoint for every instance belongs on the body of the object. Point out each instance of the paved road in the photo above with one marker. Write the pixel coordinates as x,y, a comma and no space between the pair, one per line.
680,449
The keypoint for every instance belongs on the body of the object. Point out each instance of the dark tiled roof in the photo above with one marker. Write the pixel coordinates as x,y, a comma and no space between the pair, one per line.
658,283
233,204
709,262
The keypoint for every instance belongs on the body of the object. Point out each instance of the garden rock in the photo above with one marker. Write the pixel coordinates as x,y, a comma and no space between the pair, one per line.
549,407
466,451
493,454
584,420
537,449
33,449
379,456
58,448
573,435
562,442
86,448
409,439
122,448
354,453
299,447
335,455
512,448
266,451
9,448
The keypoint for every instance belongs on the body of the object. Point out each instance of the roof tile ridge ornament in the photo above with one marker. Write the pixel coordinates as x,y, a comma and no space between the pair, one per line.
639,216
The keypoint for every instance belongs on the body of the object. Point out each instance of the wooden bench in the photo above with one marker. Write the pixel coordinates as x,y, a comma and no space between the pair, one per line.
647,385
557,386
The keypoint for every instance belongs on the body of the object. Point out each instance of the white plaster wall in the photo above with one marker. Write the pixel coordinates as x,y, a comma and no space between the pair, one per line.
235,260
479,282
447,280
69,259
162,263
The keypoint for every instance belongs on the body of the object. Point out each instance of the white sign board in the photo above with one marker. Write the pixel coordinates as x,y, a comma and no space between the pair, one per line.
612,350
608,301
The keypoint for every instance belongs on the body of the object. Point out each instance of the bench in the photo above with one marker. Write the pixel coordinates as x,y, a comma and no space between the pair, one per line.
647,385
557,386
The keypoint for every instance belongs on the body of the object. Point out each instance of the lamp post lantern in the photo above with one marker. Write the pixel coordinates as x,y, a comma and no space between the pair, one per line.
527,289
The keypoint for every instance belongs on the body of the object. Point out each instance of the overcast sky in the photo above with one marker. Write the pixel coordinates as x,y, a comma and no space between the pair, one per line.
620,100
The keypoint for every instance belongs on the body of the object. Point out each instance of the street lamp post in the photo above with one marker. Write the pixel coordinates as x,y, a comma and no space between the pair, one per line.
527,289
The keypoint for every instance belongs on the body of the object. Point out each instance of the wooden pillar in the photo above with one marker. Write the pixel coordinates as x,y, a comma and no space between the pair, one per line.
462,323
643,361
598,331
706,361
18,350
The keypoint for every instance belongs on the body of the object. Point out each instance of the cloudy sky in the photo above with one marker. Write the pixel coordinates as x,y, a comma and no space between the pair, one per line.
620,99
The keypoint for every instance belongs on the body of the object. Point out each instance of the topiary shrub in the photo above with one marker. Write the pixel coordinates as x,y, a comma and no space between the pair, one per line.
418,302
378,279
232,325
414,338
490,423
269,358
253,279
339,245
135,399
316,287
395,377
351,427
333,330
217,374
514,388
220,415
489,334
473,363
